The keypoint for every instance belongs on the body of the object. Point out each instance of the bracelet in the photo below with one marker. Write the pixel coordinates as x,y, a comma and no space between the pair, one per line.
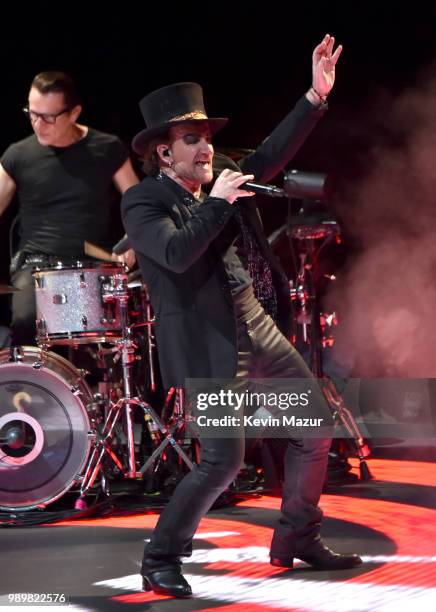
322,99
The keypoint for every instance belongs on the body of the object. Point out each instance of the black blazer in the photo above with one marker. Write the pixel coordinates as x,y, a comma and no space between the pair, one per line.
187,282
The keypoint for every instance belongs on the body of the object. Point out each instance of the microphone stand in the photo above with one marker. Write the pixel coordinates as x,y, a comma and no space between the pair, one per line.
309,317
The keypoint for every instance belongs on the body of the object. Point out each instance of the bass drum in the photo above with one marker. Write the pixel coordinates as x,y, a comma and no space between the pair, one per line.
45,432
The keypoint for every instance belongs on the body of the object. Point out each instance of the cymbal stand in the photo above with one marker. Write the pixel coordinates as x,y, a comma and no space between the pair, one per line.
151,345
118,292
176,419
146,308
175,424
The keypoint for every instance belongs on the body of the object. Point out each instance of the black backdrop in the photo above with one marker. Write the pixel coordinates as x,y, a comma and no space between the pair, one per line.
252,60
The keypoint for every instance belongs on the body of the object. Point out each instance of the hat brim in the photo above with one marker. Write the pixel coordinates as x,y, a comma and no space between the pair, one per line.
141,139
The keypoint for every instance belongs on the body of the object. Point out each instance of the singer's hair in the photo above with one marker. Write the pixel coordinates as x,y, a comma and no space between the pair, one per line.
151,162
54,81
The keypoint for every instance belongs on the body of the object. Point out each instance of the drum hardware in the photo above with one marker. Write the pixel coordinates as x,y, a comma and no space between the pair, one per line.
343,414
176,419
41,332
327,321
141,304
310,225
16,354
118,292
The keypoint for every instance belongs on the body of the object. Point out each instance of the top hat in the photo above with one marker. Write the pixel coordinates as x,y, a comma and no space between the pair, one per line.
173,105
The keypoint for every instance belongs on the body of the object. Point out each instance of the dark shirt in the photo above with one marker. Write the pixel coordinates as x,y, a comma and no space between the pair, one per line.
66,195
228,244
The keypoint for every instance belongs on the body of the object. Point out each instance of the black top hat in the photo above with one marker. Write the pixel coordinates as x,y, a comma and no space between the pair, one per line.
173,105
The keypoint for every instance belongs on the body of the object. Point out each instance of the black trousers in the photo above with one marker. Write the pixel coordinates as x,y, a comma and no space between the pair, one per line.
262,352
23,329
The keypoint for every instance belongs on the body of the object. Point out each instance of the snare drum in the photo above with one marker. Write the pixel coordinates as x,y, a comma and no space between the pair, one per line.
70,308
45,431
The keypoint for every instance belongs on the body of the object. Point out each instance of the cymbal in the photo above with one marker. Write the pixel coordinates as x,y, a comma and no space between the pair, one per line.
314,232
7,289
235,153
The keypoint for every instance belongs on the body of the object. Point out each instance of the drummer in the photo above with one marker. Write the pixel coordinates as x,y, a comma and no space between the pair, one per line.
65,176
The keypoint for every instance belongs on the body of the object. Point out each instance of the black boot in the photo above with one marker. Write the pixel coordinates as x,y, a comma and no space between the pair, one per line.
317,554
166,582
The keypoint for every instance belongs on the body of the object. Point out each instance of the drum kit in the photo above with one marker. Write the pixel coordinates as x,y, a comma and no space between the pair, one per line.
57,432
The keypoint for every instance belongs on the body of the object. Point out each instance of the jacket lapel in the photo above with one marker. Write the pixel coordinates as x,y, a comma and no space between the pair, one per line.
174,202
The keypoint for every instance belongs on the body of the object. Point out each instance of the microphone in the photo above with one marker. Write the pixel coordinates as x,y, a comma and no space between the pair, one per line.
268,190
122,245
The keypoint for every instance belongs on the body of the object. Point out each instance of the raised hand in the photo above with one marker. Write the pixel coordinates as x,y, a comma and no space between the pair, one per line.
323,65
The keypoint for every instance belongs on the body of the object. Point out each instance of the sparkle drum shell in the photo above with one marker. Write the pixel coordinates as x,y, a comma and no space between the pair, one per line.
70,304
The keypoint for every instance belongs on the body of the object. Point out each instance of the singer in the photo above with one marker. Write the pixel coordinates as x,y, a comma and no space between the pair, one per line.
212,280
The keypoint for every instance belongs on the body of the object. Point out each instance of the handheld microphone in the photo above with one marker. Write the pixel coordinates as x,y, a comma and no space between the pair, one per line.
122,246
268,190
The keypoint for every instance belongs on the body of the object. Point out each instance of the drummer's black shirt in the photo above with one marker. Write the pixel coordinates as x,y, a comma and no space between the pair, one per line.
66,194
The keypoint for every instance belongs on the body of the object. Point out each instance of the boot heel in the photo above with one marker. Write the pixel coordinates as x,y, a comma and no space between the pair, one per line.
145,584
277,562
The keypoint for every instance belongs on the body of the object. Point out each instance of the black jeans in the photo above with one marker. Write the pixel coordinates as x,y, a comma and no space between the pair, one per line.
23,329
262,352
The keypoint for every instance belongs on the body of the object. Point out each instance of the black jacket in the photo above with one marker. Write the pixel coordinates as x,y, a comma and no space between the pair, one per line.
187,282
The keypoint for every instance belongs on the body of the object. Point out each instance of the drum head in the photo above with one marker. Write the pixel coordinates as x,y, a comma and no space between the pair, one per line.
106,267
44,426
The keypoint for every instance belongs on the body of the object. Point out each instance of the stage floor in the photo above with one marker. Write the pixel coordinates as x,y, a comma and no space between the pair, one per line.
389,521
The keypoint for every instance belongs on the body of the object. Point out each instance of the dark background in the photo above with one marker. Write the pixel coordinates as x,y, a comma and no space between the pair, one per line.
253,61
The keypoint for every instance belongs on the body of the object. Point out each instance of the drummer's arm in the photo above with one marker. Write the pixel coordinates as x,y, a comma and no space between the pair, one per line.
7,189
125,177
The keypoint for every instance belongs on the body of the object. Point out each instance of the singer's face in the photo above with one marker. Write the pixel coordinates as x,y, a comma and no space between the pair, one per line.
192,153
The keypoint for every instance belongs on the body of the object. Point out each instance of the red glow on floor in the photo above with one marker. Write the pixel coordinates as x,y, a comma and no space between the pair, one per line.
410,528
136,598
407,472
134,521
